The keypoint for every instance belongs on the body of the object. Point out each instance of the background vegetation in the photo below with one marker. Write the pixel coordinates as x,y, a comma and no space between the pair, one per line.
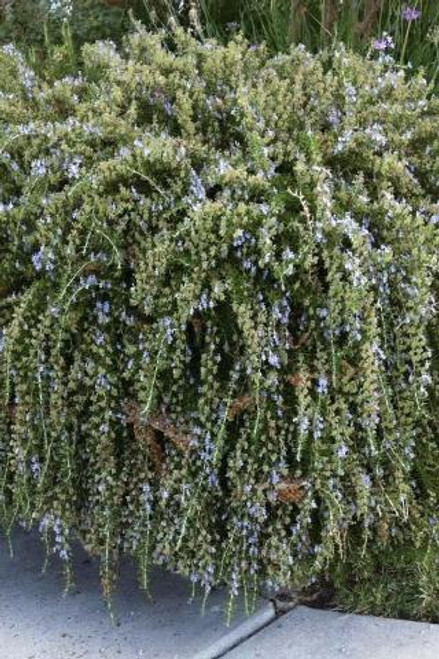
412,27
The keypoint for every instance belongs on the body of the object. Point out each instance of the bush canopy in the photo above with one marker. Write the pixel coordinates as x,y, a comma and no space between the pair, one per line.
218,313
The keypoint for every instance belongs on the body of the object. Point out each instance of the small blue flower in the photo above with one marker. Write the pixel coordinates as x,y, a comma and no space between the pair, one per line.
74,167
91,281
274,360
322,313
124,152
213,480
102,382
197,189
38,168
168,107
37,259
274,478
322,385
303,424
43,259
367,482
103,311
99,338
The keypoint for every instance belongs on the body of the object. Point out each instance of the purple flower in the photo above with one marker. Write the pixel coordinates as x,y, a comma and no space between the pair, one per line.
342,451
102,382
103,311
61,8
147,497
204,302
99,338
6,207
166,323
91,281
273,360
38,168
103,307
124,152
274,478
43,259
335,117
74,167
241,237
384,43
318,427
303,424
35,467
37,259
197,188
168,107
410,14
322,385
213,480
367,482
223,166
288,254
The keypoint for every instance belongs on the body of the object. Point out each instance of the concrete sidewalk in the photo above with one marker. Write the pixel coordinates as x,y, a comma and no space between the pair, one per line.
37,622
306,633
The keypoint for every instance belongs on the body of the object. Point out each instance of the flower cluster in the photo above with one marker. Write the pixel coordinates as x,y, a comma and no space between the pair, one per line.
218,309
411,14
60,8
385,42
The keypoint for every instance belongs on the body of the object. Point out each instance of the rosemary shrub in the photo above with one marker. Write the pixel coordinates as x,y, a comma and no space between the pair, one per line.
218,311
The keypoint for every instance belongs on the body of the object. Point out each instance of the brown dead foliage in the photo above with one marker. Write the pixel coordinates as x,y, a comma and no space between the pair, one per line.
291,490
144,434
239,405
295,345
90,268
160,423
196,323
180,439
299,379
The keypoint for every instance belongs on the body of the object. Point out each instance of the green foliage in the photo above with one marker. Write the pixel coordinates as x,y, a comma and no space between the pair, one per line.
218,311
401,584
31,23
51,32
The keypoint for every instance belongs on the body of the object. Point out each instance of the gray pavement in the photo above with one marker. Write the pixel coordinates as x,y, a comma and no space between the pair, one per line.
38,622
306,633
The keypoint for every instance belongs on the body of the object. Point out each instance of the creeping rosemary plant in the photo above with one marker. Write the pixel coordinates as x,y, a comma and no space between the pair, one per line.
218,326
